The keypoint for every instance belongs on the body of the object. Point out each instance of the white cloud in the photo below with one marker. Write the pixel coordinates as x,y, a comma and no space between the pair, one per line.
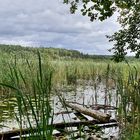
49,23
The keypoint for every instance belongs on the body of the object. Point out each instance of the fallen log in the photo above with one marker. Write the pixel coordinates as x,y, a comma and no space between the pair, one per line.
13,133
97,106
102,117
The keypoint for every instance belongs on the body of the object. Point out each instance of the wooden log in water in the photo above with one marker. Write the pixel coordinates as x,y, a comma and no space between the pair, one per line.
97,106
102,117
13,133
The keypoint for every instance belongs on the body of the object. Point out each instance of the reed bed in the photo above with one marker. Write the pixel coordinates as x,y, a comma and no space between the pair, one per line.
31,86
31,80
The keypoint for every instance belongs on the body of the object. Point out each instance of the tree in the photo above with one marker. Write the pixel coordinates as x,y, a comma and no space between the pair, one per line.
128,38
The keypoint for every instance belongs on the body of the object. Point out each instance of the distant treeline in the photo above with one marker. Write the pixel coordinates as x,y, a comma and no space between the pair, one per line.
54,53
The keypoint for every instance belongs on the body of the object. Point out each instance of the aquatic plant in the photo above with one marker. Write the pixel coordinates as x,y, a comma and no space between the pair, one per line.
32,99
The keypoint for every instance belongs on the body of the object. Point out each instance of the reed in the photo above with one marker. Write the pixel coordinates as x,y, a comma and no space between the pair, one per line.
32,99
30,78
128,91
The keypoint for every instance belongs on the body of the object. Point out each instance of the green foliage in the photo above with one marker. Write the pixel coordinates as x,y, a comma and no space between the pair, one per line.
128,38
94,9
136,136
52,53
32,98
30,78
100,9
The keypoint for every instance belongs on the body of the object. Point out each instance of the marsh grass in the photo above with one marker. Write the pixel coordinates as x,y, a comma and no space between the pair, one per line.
30,79
32,99
128,92
125,80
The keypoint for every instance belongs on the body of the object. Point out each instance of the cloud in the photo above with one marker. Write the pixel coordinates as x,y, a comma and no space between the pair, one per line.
49,23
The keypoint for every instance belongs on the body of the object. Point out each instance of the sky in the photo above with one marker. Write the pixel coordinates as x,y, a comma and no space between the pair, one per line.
48,23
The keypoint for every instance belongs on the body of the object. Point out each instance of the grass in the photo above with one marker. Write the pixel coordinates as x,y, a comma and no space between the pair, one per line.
32,98
31,79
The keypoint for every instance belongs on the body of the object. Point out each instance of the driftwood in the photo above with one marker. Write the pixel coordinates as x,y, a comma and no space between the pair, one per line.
102,117
13,133
97,106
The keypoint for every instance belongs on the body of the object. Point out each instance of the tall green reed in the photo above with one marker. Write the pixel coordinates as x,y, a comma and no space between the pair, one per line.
128,91
32,98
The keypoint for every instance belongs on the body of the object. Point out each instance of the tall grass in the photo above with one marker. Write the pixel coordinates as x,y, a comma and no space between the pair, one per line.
31,81
128,89
32,98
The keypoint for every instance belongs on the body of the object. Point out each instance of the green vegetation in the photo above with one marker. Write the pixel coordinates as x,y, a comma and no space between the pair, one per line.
28,79
53,53
32,97
127,38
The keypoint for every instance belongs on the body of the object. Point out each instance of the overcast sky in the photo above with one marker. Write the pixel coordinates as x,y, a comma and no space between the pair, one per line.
49,23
